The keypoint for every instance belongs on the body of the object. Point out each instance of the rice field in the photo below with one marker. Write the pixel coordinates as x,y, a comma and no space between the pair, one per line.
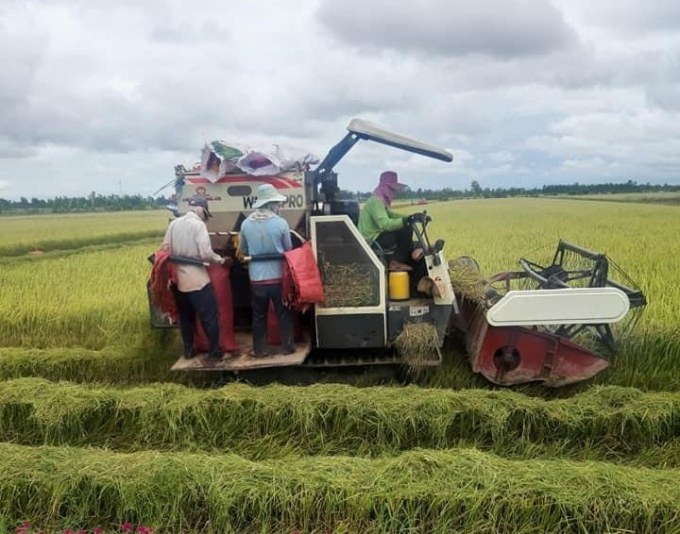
95,431
25,233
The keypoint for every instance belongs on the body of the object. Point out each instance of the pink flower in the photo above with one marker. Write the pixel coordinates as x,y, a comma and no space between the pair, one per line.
127,527
142,529
68,532
26,524
98,530
81,531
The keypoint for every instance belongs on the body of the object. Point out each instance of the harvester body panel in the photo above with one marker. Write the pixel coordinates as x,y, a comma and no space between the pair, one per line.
231,200
579,305
353,314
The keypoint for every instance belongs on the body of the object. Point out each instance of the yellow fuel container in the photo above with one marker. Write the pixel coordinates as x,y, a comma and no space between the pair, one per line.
398,285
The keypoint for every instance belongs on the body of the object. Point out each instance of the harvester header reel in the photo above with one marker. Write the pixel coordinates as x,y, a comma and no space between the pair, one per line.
550,322
576,267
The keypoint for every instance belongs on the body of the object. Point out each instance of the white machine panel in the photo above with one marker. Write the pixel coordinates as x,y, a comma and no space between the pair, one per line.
596,305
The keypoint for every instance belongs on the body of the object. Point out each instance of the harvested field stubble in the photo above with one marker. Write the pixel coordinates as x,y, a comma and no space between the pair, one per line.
418,491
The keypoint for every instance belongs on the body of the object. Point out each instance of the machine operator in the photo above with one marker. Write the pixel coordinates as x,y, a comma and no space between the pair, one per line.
389,229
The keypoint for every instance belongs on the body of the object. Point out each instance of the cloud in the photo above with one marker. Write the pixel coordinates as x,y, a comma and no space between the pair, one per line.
630,17
500,28
4,185
523,91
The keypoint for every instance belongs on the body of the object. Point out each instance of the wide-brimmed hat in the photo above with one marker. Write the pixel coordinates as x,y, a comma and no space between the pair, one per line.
200,202
389,178
265,194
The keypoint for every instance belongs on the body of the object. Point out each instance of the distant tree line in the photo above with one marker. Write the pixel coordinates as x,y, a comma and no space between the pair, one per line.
97,202
91,203
477,191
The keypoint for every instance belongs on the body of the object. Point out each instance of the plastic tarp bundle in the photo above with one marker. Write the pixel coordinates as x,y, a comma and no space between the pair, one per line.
302,285
219,158
279,159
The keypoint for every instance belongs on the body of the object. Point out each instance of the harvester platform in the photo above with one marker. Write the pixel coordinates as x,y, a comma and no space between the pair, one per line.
243,361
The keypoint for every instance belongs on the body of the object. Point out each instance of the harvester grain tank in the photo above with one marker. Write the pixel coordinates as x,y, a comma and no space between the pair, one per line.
512,335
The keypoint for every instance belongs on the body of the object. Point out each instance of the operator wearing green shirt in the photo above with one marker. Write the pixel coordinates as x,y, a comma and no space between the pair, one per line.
378,223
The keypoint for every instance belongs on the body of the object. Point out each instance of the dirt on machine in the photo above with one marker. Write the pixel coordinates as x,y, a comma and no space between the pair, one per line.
557,324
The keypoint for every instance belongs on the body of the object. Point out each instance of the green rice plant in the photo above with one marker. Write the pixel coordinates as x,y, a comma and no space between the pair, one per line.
609,423
419,491
659,197
90,300
97,300
23,234
27,259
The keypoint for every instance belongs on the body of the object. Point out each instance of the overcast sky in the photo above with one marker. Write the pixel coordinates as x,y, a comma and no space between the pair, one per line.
108,96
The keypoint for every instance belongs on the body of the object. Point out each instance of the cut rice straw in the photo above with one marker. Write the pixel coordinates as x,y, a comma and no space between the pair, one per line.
417,344
416,492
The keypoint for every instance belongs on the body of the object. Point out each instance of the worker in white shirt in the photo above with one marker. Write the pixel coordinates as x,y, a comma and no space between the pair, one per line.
187,238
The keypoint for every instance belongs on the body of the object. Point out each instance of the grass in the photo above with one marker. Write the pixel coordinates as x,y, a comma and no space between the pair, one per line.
419,491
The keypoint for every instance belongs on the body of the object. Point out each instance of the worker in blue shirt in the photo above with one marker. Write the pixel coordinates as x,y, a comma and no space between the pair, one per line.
265,232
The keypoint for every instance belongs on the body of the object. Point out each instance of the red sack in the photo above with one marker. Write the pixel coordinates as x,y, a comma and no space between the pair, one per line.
219,278
301,284
273,331
163,274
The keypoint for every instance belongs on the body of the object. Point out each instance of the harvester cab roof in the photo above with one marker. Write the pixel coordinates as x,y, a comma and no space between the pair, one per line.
359,129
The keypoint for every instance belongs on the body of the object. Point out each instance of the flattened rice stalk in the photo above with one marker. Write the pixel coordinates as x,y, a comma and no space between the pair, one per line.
417,344
347,285
420,491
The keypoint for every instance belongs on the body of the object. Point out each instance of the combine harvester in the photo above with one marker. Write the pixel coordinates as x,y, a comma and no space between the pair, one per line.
544,323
